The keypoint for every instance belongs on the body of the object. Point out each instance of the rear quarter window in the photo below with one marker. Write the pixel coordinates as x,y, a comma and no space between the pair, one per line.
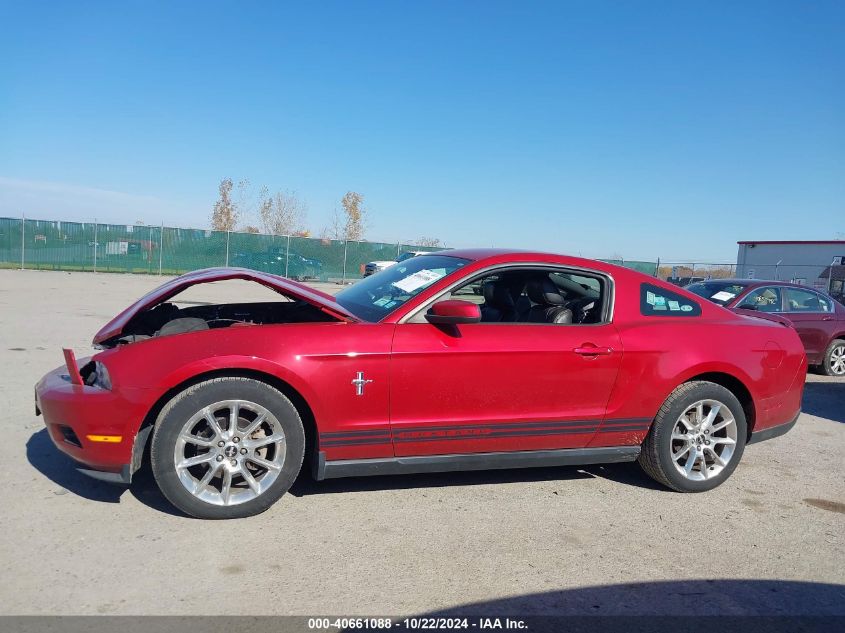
655,301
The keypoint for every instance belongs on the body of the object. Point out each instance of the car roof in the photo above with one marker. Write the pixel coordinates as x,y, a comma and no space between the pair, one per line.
514,254
475,254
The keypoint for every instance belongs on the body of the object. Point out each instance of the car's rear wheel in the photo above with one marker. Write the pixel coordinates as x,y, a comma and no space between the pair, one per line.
227,448
834,358
697,438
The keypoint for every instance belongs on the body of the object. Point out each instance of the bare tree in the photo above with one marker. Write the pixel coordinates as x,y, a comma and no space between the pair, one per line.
249,228
283,214
245,199
224,216
334,230
353,208
429,241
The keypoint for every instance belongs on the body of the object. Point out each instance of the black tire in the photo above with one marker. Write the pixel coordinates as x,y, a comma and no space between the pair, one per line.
827,367
656,455
188,403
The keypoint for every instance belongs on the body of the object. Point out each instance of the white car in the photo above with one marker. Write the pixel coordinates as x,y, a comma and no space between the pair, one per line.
377,266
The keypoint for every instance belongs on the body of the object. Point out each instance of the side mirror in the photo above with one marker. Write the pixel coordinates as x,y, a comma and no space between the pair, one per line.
453,312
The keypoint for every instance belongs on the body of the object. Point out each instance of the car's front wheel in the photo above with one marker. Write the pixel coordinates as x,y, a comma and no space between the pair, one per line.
227,448
697,438
834,358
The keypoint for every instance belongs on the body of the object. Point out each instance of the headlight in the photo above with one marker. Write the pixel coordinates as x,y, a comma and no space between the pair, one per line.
98,376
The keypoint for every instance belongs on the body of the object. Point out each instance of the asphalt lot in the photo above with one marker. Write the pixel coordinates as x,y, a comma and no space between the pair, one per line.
563,540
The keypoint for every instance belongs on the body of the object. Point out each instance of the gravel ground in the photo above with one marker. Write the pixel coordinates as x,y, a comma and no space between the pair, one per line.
599,539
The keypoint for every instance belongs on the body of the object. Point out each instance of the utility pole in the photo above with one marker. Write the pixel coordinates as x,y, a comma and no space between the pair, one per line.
287,256
345,242
830,274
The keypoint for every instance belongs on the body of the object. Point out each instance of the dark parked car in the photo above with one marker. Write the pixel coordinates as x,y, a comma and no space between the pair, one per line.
819,319
276,261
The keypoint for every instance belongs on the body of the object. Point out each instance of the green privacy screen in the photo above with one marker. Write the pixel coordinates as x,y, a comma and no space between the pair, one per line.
88,246
649,268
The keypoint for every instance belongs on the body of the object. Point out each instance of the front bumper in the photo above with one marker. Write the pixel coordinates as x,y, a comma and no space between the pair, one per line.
95,427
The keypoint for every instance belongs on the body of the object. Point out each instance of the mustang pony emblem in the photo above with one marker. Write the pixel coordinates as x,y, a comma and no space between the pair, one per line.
359,383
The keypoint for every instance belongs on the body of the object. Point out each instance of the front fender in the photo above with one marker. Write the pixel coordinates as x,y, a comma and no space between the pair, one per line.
236,362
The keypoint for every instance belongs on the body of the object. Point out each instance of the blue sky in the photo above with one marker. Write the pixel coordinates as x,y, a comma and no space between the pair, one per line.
643,129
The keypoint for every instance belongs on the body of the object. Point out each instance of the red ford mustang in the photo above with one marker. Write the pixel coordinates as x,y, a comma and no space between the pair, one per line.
463,359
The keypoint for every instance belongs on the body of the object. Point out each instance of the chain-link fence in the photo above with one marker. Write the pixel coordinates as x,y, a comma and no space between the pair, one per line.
682,273
649,268
98,247
817,275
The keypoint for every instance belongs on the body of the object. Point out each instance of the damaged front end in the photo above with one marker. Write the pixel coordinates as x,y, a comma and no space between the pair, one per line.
154,316
97,409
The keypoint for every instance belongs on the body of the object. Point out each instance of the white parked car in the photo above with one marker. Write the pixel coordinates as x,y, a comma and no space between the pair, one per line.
377,266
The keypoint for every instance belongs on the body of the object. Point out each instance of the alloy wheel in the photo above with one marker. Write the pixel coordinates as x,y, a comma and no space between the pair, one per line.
230,452
703,440
837,360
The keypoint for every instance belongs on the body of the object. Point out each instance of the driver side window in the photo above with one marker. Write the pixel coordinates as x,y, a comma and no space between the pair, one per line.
536,296
763,300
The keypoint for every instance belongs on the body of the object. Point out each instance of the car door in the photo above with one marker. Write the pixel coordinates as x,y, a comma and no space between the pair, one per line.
489,387
813,317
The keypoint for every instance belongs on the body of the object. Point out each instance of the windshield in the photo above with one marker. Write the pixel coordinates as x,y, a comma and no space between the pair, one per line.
721,292
376,296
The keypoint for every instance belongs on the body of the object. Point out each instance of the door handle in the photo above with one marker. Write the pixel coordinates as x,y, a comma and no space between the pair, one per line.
827,318
592,350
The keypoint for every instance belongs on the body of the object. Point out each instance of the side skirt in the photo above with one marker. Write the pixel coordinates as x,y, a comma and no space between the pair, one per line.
472,461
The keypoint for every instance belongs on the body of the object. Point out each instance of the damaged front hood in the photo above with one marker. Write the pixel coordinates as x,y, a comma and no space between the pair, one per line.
293,289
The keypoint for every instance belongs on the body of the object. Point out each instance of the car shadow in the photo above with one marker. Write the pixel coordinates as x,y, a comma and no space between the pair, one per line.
776,605
626,473
62,471
825,400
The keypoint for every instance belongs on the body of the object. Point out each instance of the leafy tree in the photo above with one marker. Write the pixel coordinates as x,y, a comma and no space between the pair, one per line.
353,209
224,216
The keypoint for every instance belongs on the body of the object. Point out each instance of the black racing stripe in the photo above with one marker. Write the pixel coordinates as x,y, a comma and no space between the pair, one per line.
622,429
355,442
627,421
493,435
355,433
344,440
499,425
498,430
